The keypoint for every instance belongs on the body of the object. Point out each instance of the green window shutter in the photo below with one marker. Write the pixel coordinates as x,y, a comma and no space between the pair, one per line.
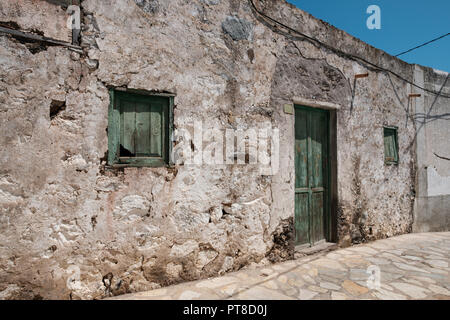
156,117
127,129
390,145
139,129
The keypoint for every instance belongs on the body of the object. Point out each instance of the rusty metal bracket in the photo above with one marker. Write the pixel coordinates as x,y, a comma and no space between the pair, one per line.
361,75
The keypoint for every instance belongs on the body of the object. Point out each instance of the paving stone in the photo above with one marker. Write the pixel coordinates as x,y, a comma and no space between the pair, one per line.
270,284
229,290
261,293
338,296
391,274
363,284
433,257
346,252
378,261
388,295
437,263
335,274
189,295
359,274
325,278
379,245
242,275
267,272
424,279
365,250
153,293
439,290
412,281
323,296
334,256
437,250
309,279
304,260
317,289
297,282
413,258
353,288
393,257
386,287
291,292
306,294
280,268
216,282
436,271
163,298
409,267
328,263
329,286
283,279
356,262
439,278
397,252
313,272
413,291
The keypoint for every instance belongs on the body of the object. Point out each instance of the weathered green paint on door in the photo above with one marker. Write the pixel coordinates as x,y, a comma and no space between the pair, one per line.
311,175
139,129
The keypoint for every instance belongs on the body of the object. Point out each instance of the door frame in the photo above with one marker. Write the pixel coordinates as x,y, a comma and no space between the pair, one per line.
330,214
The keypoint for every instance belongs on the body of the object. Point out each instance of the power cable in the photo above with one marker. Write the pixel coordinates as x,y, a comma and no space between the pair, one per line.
340,52
423,45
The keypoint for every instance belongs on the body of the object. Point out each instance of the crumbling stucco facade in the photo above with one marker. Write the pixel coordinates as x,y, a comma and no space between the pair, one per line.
73,227
432,204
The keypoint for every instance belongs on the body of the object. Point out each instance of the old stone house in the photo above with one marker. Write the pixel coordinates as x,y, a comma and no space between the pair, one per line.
112,174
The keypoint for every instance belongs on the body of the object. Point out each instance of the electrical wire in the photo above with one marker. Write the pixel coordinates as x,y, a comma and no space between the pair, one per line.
423,45
338,51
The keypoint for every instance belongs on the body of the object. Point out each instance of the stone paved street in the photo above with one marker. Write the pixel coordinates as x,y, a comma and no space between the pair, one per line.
412,266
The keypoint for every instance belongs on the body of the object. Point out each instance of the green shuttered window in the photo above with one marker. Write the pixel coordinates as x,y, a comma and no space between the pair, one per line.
390,145
139,129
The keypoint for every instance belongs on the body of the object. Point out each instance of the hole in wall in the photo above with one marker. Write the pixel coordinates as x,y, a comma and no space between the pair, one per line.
56,106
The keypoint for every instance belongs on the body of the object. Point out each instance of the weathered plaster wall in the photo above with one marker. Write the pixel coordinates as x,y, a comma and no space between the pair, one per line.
436,124
73,228
432,208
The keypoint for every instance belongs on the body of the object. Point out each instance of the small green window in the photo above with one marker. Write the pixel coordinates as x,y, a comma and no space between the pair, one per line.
139,129
390,145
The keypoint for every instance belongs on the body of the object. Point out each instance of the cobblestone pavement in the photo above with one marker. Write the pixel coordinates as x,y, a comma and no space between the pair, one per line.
412,266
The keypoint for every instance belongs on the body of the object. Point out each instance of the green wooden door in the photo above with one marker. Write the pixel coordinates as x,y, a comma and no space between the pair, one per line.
311,175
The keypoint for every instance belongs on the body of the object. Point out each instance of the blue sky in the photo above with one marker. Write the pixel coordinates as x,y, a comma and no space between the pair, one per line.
404,24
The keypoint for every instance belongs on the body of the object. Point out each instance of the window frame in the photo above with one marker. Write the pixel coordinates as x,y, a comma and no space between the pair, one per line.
114,158
396,146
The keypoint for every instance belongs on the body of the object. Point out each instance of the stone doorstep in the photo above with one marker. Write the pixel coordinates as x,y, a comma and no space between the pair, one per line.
322,247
